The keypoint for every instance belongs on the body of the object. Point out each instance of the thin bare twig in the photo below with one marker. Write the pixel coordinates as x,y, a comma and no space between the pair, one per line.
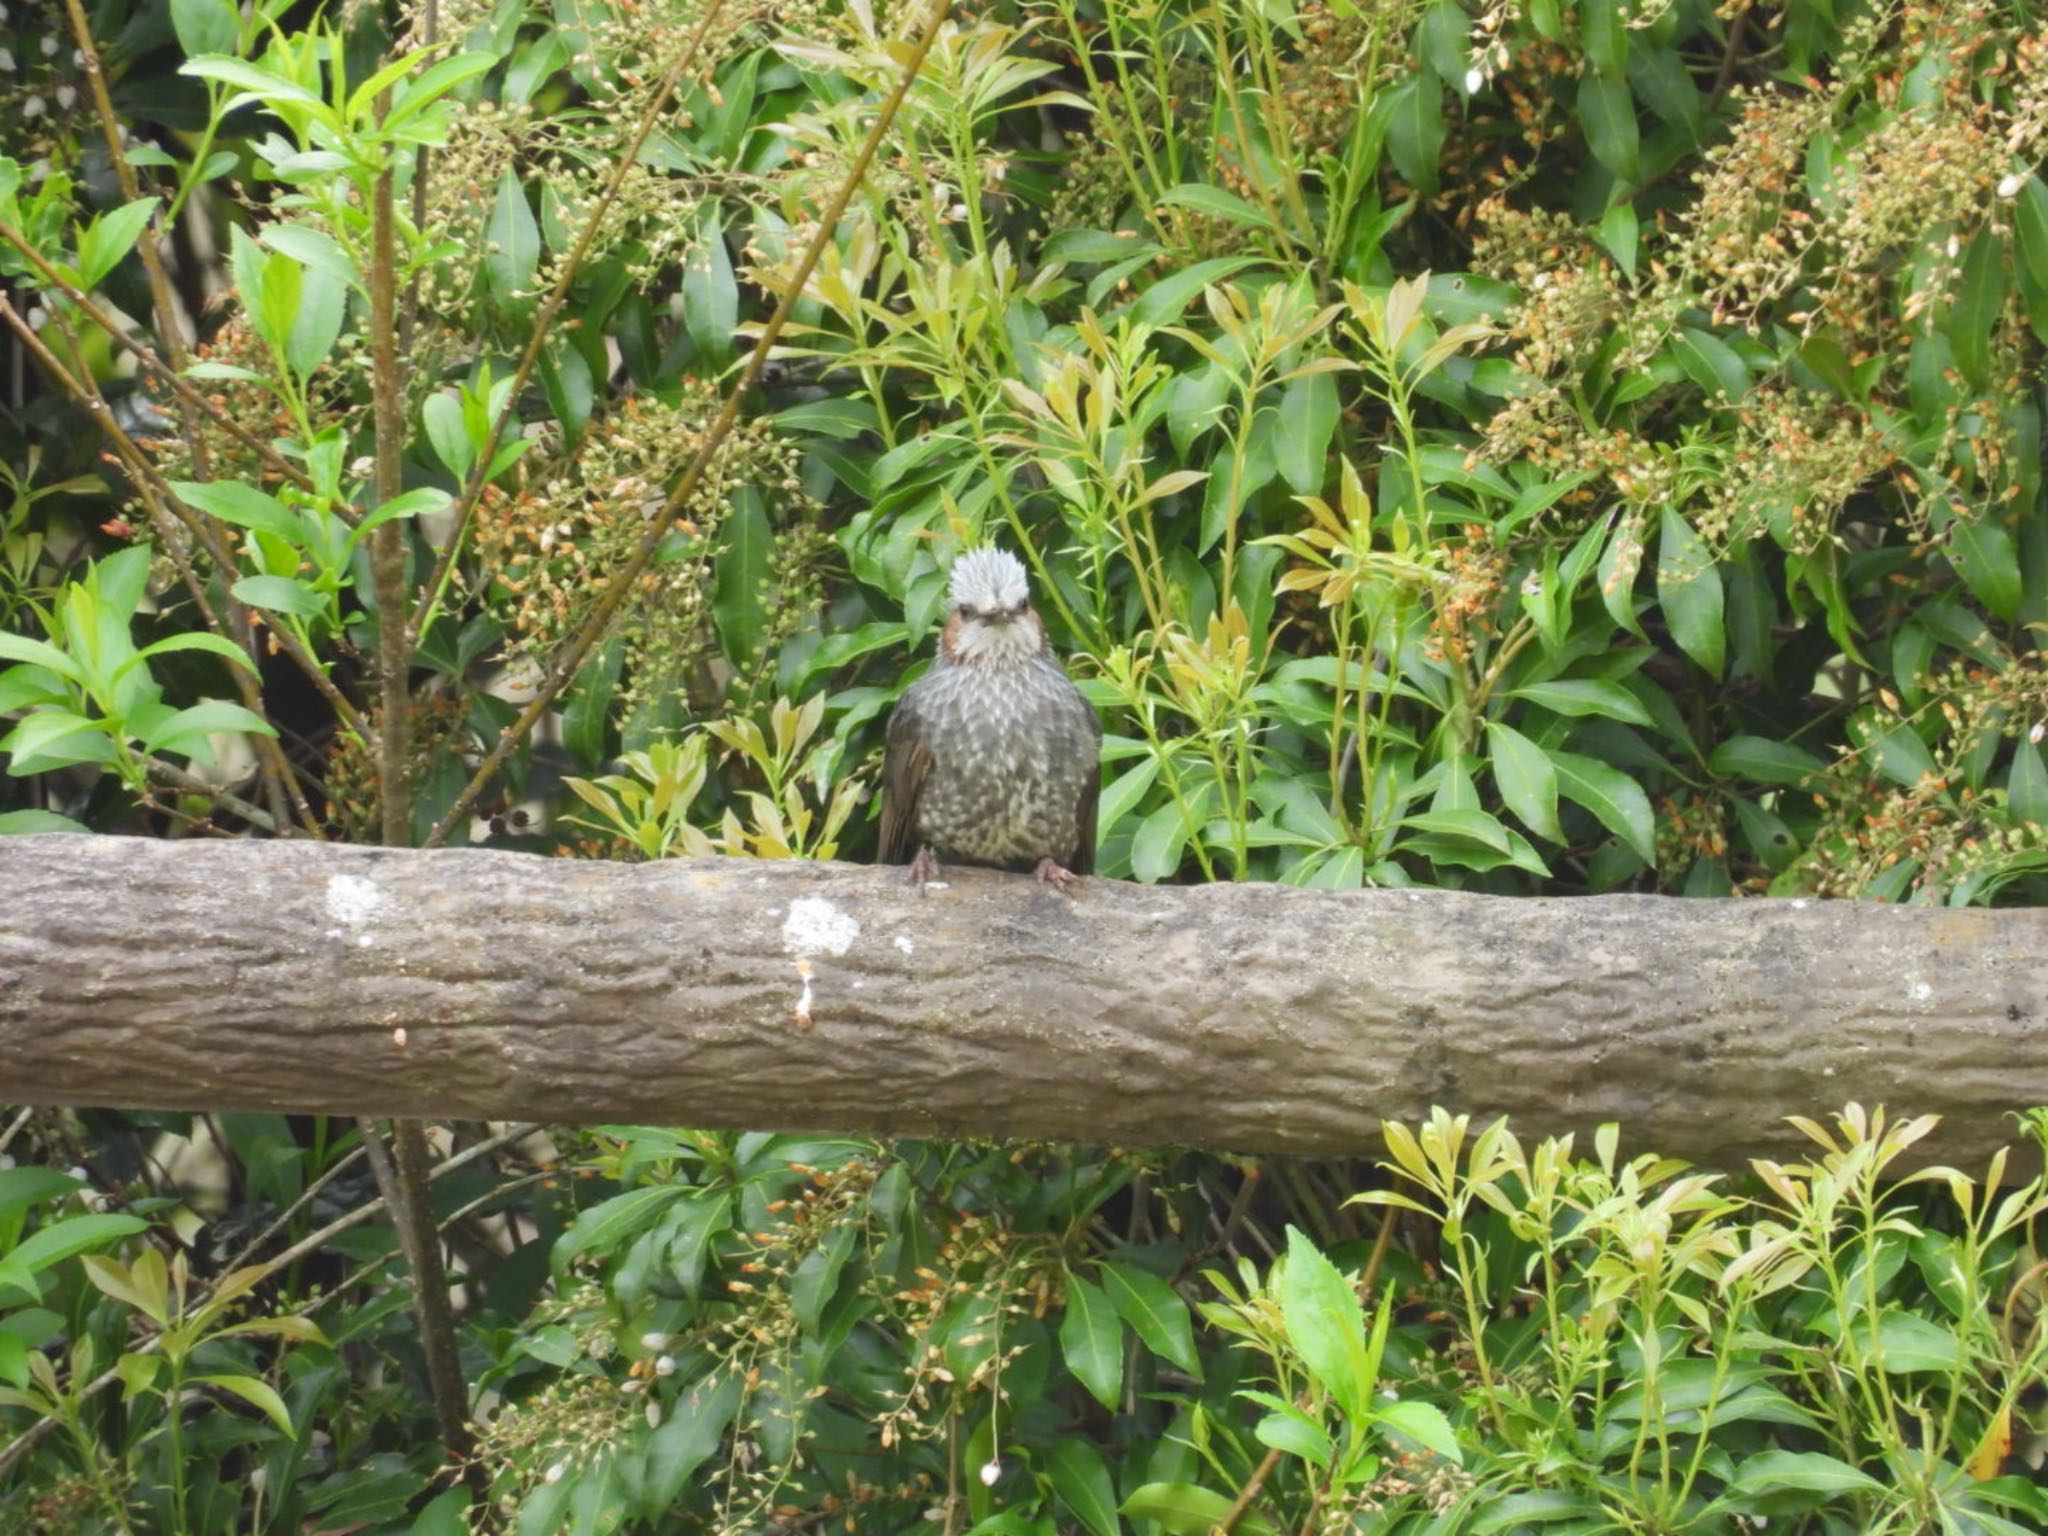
628,576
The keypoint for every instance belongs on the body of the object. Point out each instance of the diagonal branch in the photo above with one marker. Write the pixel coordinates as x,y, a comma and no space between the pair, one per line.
627,577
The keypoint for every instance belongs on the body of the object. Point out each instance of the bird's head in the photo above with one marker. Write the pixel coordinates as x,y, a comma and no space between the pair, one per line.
992,621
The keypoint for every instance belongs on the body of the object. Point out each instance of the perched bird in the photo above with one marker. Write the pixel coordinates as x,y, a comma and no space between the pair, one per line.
993,753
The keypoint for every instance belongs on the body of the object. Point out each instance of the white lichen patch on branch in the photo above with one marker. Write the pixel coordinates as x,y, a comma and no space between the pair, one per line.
817,927
352,901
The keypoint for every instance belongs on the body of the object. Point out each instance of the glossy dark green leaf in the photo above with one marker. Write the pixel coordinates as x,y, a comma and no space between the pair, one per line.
1415,128
1308,418
1979,301
1080,1477
1616,800
1526,778
1155,1312
1092,1341
1689,592
1607,113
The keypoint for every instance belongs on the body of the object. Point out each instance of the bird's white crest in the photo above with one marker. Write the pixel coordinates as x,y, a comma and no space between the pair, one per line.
989,581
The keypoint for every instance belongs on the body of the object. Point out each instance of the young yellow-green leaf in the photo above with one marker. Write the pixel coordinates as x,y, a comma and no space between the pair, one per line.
1326,1324
1184,1509
259,1394
281,594
243,505
205,26
38,653
1425,1424
1092,1341
1689,591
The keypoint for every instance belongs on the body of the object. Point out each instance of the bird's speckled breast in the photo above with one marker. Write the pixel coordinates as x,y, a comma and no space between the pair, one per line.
1013,748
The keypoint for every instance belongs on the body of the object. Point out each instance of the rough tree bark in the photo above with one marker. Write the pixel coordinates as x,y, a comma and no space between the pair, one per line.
306,977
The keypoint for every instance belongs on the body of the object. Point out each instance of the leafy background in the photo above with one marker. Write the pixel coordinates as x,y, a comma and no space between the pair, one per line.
1525,448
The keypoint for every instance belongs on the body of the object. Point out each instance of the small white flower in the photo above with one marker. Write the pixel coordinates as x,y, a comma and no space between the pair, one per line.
653,1343
2040,729
33,107
50,46
665,1366
2010,187
554,1474
991,1471
1474,79
1954,247
72,1173
6,61
65,96
653,1415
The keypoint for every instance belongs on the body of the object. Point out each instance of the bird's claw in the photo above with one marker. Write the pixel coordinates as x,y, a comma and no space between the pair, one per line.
1052,874
923,869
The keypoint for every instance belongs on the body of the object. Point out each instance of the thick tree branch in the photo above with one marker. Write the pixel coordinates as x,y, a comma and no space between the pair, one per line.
307,977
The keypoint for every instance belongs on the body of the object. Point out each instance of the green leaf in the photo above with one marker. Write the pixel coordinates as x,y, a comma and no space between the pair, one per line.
436,81
1988,560
1122,796
23,823
243,505
281,594
1908,1342
38,653
1578,696
1162,303
1092,1341
109,238
1415,128
1689,591
446,430
186,731
1711,364
54,738
1468,822
1156,847
1526,778
1616,800
741,594
2026,785
1184,1509
1901,756
689,1436
511,244
205,26
711,297
1215,203
1081,1479
1155,1312
323,304
588,711
1766,761
1607,113
1979,301
74,1235
2030,229
1605,32
314,250
1810,1471
1617,233
1326,1324
1308,418
260,1394
1426,1425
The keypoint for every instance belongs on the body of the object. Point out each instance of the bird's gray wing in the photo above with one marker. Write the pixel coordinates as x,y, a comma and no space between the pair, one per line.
904,768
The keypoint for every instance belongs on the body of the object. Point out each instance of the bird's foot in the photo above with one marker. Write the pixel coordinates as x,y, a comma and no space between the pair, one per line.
1052,874
923,868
